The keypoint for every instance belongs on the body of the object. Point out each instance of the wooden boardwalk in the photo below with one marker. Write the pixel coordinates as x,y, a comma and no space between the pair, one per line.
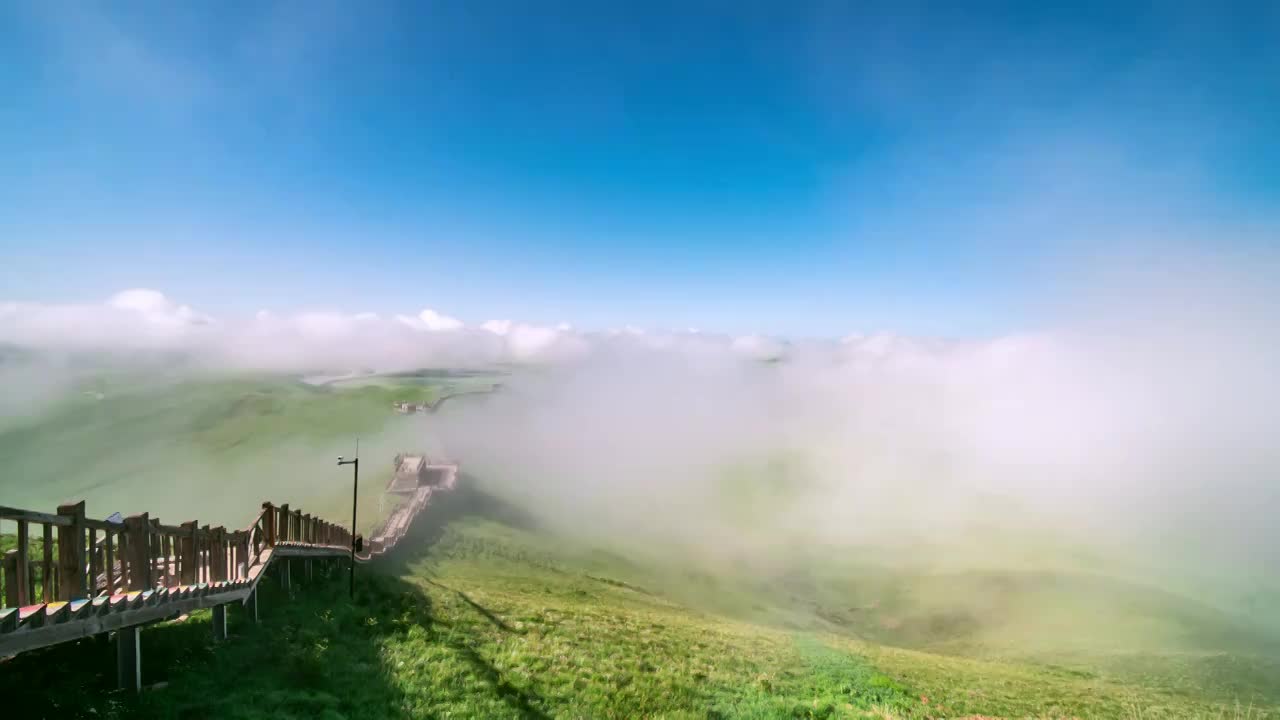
72,577
417,498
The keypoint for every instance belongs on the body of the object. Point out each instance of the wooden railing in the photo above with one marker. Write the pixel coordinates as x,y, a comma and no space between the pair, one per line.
67,556
71,577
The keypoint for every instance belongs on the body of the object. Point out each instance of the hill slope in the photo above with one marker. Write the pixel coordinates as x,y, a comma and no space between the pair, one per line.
484,616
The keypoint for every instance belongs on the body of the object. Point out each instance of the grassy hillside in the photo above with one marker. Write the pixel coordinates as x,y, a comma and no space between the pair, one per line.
483,615
488,613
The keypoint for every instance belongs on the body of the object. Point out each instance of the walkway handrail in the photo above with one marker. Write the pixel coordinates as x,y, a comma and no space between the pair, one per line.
119,575
101,557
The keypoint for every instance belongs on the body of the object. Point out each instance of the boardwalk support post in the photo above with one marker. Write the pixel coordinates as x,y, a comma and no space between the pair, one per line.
129,658
284,573
219,623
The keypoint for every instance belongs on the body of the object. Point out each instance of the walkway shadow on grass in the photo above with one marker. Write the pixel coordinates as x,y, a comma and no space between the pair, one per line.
417,545
313,653
484,611
428,527
524,702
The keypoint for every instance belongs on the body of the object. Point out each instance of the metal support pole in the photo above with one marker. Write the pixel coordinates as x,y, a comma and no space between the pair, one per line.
355,494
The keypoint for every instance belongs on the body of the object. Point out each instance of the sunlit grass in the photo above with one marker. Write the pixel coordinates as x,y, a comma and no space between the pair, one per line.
490,620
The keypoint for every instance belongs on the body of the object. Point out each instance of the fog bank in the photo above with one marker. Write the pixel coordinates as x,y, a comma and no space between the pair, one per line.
1135,437
1134,432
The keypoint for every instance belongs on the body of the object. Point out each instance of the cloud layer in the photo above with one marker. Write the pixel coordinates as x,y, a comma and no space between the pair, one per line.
147,320
1144,420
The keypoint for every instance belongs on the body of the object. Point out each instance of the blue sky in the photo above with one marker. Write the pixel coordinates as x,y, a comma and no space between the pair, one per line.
792,168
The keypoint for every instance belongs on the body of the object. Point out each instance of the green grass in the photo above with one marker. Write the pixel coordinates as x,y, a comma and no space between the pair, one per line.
231,441
483,616
486,614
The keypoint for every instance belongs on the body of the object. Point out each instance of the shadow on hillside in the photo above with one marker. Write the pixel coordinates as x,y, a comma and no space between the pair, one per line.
484,612
314,652
417,544
445,508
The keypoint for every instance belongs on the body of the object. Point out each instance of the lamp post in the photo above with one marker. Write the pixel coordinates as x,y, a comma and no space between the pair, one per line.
355,489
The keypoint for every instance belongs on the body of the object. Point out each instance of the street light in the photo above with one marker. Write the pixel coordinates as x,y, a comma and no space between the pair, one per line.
355,489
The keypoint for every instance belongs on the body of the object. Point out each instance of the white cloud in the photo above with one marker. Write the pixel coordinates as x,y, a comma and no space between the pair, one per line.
141,318
759,347
141,300
497,327
529,341
431,321
435,321
156,307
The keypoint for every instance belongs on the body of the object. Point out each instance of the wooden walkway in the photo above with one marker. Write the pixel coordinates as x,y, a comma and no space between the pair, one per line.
397,524
72,577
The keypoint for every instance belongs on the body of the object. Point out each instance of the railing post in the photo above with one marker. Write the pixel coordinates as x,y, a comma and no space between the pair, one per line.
11,579
95,561
167,551
283,529
187,554
50,576
136,528
218,554
71,566
206,553
306,528
269,524
155,547
109,539
26,589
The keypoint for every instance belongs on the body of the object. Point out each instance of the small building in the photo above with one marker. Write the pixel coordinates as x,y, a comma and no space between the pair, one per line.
408,408
410,473
416,471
